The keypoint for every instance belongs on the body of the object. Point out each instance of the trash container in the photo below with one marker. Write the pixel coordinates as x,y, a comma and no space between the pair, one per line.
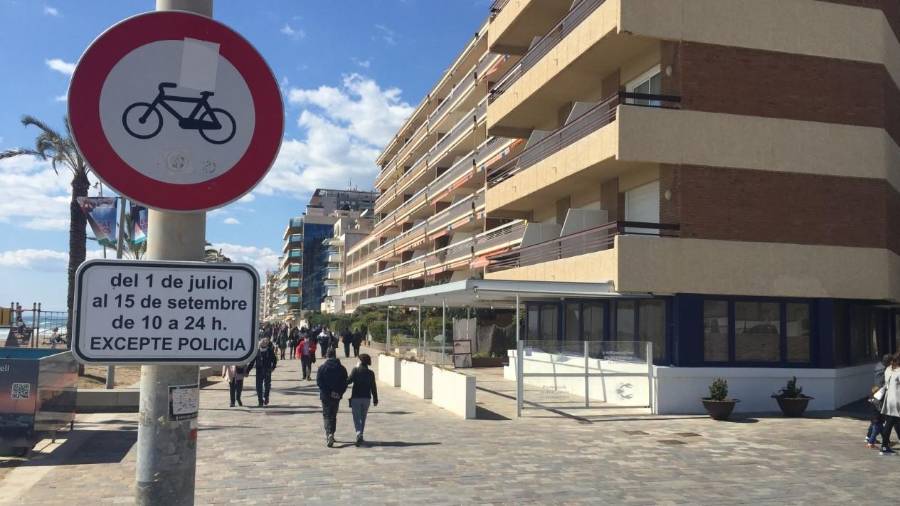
37,396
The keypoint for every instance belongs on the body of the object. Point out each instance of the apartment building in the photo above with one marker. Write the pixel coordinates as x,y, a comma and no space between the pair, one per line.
268,297
430,220
729,169
350,228
304,263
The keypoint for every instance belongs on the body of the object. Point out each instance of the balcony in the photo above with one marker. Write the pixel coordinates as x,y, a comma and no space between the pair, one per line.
515,23
333,273
549,41
463,212
577,153
294,225
595,239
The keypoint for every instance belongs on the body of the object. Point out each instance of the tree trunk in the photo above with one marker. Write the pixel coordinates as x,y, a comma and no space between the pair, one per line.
77,240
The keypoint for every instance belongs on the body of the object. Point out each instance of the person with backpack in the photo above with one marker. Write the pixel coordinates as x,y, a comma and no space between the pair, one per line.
364,390
331,379
306,352
282,339
890,404
234,374
265,363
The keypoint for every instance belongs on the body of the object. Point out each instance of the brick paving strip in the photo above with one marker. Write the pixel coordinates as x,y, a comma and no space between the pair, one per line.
421,454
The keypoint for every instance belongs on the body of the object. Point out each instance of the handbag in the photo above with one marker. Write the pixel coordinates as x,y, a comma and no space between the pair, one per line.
879,395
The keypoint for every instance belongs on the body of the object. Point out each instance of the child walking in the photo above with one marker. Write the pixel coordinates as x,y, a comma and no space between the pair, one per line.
234,374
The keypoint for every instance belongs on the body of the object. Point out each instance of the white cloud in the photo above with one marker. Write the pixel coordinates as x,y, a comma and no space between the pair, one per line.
264,259
34,259
362,63
61,98
345,129
386,34
294,33
32,195
231,221
51,11
61,66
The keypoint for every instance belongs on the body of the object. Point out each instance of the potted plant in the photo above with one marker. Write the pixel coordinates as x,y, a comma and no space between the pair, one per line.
791,399
718,405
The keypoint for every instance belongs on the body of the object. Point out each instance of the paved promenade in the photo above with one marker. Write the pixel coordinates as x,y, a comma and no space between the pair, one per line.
421,454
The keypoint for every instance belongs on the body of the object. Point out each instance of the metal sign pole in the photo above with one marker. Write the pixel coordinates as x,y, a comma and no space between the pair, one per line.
167,449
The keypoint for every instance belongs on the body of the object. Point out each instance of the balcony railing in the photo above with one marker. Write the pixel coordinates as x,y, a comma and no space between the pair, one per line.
580,243
498,6
504,235
592,120
574,18
467,81
466,124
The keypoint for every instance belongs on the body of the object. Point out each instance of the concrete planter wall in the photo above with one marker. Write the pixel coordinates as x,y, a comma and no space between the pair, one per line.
454,392
389,370
415,378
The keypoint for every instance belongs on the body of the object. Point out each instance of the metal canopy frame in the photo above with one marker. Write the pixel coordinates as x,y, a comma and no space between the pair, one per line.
496,293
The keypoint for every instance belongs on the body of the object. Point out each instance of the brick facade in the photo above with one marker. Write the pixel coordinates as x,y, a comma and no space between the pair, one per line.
753,205
778,85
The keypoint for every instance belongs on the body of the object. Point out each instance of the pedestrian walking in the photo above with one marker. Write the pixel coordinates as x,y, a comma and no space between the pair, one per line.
346,340
265,363
357,342
324,342
234,374
282,339
306,351
332,381
890,406
364,391
293,339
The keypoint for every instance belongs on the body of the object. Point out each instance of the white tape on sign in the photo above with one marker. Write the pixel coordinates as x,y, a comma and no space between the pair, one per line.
199,65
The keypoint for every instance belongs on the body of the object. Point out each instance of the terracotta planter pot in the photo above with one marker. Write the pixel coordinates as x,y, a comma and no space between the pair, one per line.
793,407
719,410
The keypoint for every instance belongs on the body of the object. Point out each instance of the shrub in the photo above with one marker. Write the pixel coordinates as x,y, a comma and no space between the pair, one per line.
791,390
718,391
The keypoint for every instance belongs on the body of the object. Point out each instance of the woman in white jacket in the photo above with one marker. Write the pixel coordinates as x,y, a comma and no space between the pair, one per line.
890,406
235,377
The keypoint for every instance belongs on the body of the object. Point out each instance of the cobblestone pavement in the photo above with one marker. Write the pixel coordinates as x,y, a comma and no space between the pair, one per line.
421,454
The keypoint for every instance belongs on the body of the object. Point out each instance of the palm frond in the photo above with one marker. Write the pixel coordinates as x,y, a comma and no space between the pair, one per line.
11,153
29,120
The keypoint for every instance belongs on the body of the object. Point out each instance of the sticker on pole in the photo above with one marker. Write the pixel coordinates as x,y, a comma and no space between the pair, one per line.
165,312
176,111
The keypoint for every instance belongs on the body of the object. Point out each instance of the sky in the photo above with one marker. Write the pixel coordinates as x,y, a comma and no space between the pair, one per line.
351,72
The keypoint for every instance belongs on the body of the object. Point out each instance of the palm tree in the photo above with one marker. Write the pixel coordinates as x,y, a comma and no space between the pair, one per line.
60,150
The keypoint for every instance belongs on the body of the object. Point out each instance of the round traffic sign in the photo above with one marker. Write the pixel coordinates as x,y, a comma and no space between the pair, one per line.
176,111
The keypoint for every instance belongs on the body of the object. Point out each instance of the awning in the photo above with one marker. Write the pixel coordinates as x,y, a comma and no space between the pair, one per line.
496,293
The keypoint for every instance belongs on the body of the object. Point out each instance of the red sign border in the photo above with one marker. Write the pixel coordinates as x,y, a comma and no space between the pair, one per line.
122,38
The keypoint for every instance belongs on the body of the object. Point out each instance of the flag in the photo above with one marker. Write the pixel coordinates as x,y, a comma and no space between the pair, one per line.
101,215
138,224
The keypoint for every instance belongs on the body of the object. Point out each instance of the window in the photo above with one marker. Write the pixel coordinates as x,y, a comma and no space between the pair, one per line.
861,348
593,319
756,334
548,321
649,83
533,317
841,340
573,321
642,204
652,326
624,321
715,331
798,333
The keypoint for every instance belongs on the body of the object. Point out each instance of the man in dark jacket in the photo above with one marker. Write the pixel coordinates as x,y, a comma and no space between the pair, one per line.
332,381
357,341
265,363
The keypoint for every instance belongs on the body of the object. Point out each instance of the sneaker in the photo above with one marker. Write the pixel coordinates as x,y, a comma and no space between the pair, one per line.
887,451
266,402
871,446
240,403
359,440
329,442
232,404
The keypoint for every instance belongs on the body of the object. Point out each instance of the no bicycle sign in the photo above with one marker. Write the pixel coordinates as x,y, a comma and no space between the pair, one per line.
176,111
